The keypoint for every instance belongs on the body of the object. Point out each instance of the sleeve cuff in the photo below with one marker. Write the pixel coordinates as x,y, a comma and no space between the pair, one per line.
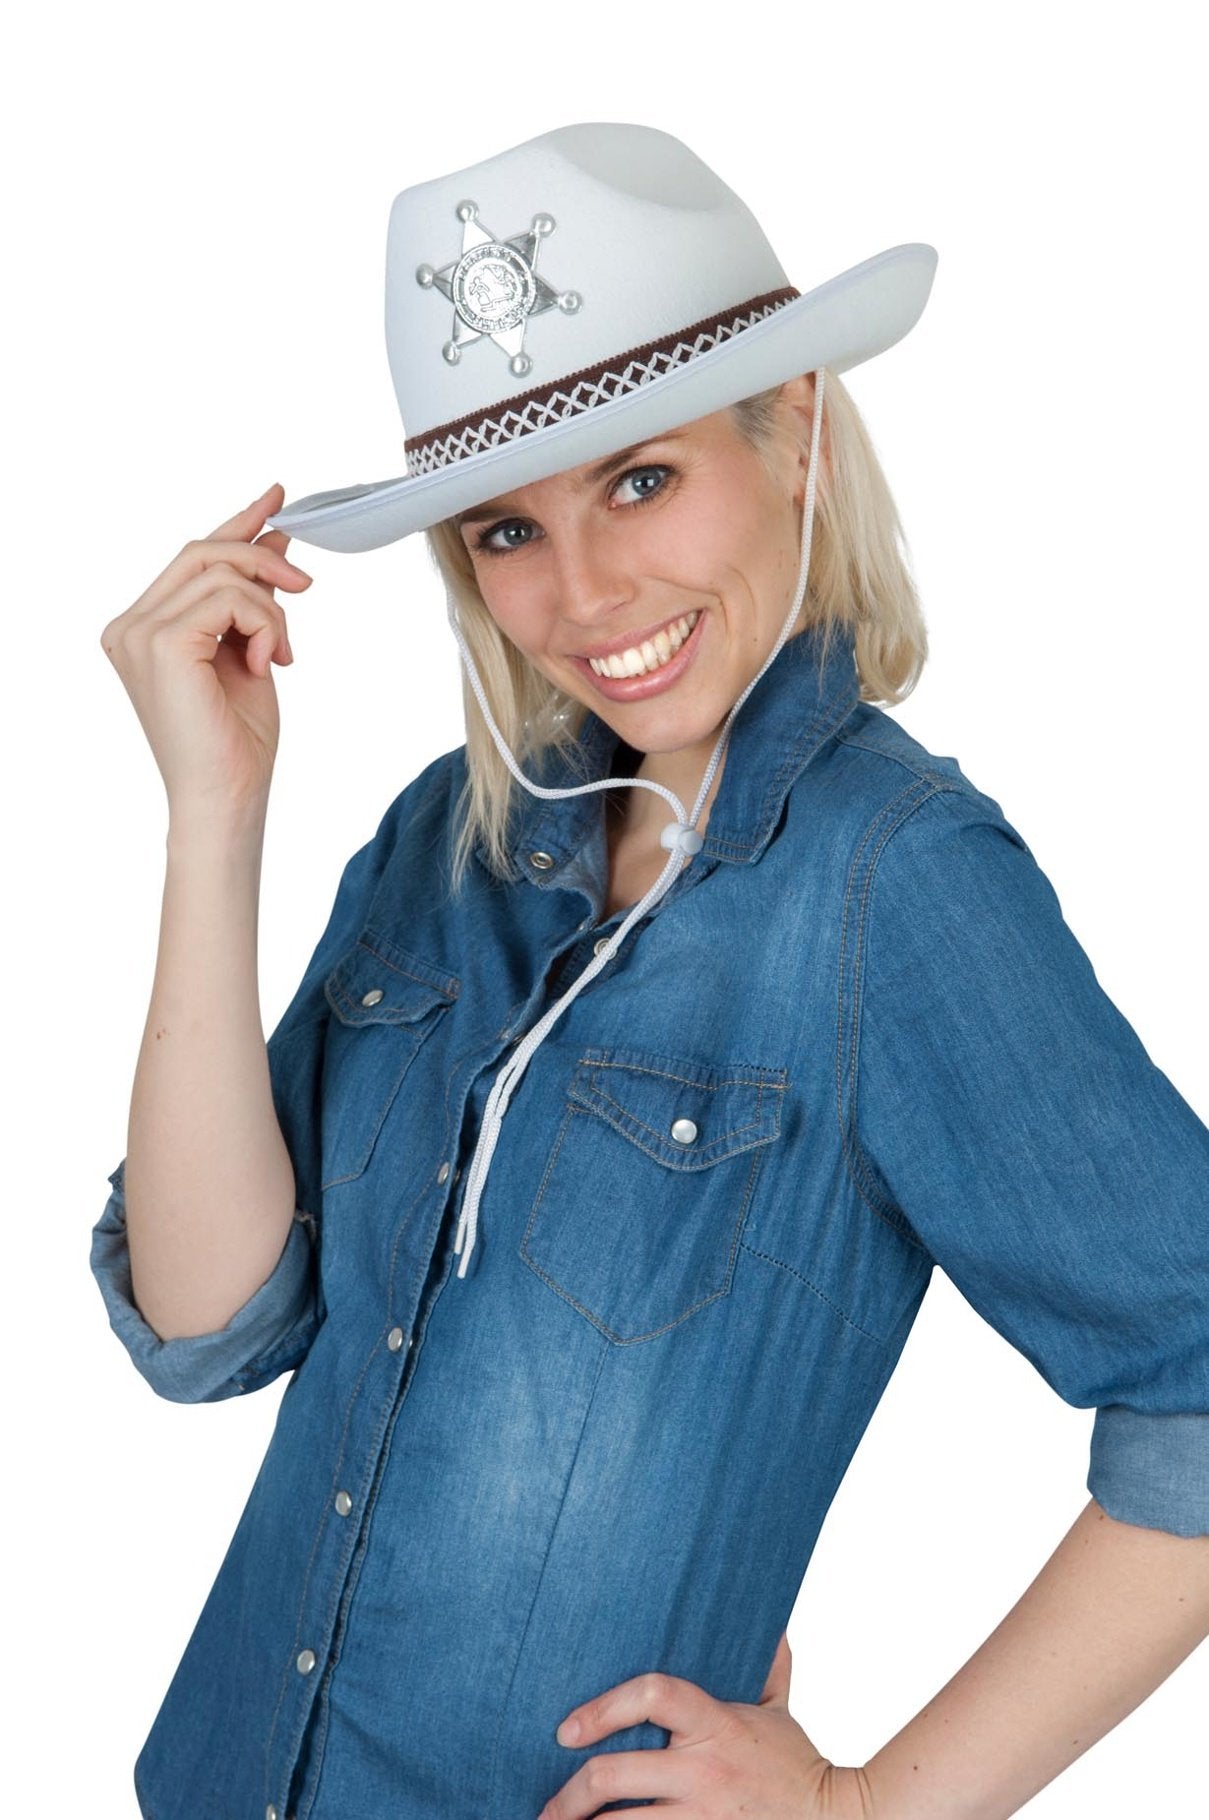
1151,1469
268,1335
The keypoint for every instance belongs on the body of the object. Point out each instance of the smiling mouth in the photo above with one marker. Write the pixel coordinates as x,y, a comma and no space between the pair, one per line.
652,654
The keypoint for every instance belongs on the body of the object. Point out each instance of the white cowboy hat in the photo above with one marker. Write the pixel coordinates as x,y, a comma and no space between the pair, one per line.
658,300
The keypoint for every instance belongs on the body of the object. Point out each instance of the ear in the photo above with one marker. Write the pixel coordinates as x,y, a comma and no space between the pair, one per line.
797,402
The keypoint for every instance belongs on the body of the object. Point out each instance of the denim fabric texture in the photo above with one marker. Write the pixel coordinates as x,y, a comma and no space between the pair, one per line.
855,1039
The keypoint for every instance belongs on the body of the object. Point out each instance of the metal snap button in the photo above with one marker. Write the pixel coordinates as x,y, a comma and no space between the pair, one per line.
270,1812
543,861
305,1661
600,946
443,1173
371,998
394,1338
684,1131
343,1503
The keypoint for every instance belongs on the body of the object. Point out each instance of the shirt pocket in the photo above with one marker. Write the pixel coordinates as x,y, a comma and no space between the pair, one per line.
386,1003
647,1187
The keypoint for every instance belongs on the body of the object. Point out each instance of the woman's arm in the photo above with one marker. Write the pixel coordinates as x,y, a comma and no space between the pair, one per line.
1114,1610
209,1182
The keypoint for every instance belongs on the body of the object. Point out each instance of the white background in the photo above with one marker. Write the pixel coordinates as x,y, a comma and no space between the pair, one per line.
196,207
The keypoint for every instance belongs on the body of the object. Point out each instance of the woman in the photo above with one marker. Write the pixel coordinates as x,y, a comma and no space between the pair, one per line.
591,1181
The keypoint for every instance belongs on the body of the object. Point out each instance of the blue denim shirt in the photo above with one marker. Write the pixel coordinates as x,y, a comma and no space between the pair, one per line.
855,1038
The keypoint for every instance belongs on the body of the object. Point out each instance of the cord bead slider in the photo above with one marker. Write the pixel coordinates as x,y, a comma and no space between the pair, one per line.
679,835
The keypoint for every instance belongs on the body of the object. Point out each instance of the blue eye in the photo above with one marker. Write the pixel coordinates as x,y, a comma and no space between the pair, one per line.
507,524
655,469
485,540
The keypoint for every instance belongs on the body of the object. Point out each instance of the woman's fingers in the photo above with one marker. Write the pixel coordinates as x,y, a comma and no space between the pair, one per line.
277,540
259,561
195,652
235,542
245,524
212,583
222,604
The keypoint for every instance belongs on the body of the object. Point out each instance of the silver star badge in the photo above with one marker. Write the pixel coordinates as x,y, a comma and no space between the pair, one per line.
494,288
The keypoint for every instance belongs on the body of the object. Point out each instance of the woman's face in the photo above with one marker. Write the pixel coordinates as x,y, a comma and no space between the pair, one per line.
684,551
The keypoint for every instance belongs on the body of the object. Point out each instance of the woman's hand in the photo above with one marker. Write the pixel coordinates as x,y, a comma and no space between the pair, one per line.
194,653
724,1758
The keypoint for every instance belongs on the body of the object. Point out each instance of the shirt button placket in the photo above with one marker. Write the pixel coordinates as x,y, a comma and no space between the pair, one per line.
305,1662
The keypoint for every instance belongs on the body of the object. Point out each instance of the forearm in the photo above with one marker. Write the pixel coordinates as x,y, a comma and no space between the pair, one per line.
209,1182
1114,1610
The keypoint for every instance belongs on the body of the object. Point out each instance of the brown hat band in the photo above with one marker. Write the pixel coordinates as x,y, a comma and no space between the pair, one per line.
575,393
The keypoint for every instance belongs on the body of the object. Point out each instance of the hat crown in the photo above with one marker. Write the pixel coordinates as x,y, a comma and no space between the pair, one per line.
584,246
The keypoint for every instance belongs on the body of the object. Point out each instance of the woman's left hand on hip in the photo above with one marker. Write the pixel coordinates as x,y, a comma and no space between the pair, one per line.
723,1756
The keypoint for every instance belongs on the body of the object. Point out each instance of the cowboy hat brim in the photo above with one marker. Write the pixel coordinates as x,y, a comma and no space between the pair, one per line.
837,325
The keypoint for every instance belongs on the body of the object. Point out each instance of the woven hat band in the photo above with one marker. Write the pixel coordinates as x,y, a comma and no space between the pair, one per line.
574,393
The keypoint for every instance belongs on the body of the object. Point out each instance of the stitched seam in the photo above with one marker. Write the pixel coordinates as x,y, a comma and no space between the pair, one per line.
850,1134
343,1002
925,773
754,1252
439,978
849,1131
854,1159
821,729
320,1529
796,760
702,1151
358,1170
735,1080
559,1289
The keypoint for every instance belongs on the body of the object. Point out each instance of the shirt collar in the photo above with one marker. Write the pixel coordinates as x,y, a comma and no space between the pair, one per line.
793,709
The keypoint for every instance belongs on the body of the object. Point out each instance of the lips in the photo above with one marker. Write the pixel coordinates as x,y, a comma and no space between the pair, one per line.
628,641
648,682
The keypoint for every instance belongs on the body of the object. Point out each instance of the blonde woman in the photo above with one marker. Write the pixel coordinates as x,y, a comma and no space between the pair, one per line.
664,1037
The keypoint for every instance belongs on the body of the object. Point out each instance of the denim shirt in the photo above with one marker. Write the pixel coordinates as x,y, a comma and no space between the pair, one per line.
854,1039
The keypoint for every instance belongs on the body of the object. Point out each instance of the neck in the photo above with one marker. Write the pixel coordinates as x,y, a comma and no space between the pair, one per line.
642,814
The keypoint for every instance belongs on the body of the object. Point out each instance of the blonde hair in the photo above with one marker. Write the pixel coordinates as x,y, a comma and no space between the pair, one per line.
859,579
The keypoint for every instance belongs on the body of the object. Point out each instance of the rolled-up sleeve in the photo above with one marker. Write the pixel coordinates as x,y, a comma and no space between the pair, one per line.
1010,1112
268,1335
273,1331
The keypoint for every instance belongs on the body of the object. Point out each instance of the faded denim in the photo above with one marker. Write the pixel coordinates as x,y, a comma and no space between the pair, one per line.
611,1446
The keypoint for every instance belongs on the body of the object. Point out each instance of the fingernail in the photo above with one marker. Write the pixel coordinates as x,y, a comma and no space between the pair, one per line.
568,1731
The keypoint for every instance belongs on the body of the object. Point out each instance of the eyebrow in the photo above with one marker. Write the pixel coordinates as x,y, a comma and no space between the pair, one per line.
600,472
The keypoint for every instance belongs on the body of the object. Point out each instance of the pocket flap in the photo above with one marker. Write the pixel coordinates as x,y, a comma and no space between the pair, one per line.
377,982
717,1111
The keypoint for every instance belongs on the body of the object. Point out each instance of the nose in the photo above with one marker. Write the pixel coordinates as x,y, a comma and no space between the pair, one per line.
592,576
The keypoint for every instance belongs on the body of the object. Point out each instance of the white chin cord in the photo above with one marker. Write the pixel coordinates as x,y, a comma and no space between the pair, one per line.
679,836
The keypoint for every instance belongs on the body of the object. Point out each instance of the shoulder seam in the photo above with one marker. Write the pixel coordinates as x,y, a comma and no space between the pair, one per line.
854,920
941,779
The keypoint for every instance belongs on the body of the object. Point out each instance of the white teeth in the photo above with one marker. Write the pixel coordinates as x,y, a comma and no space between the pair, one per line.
651,654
